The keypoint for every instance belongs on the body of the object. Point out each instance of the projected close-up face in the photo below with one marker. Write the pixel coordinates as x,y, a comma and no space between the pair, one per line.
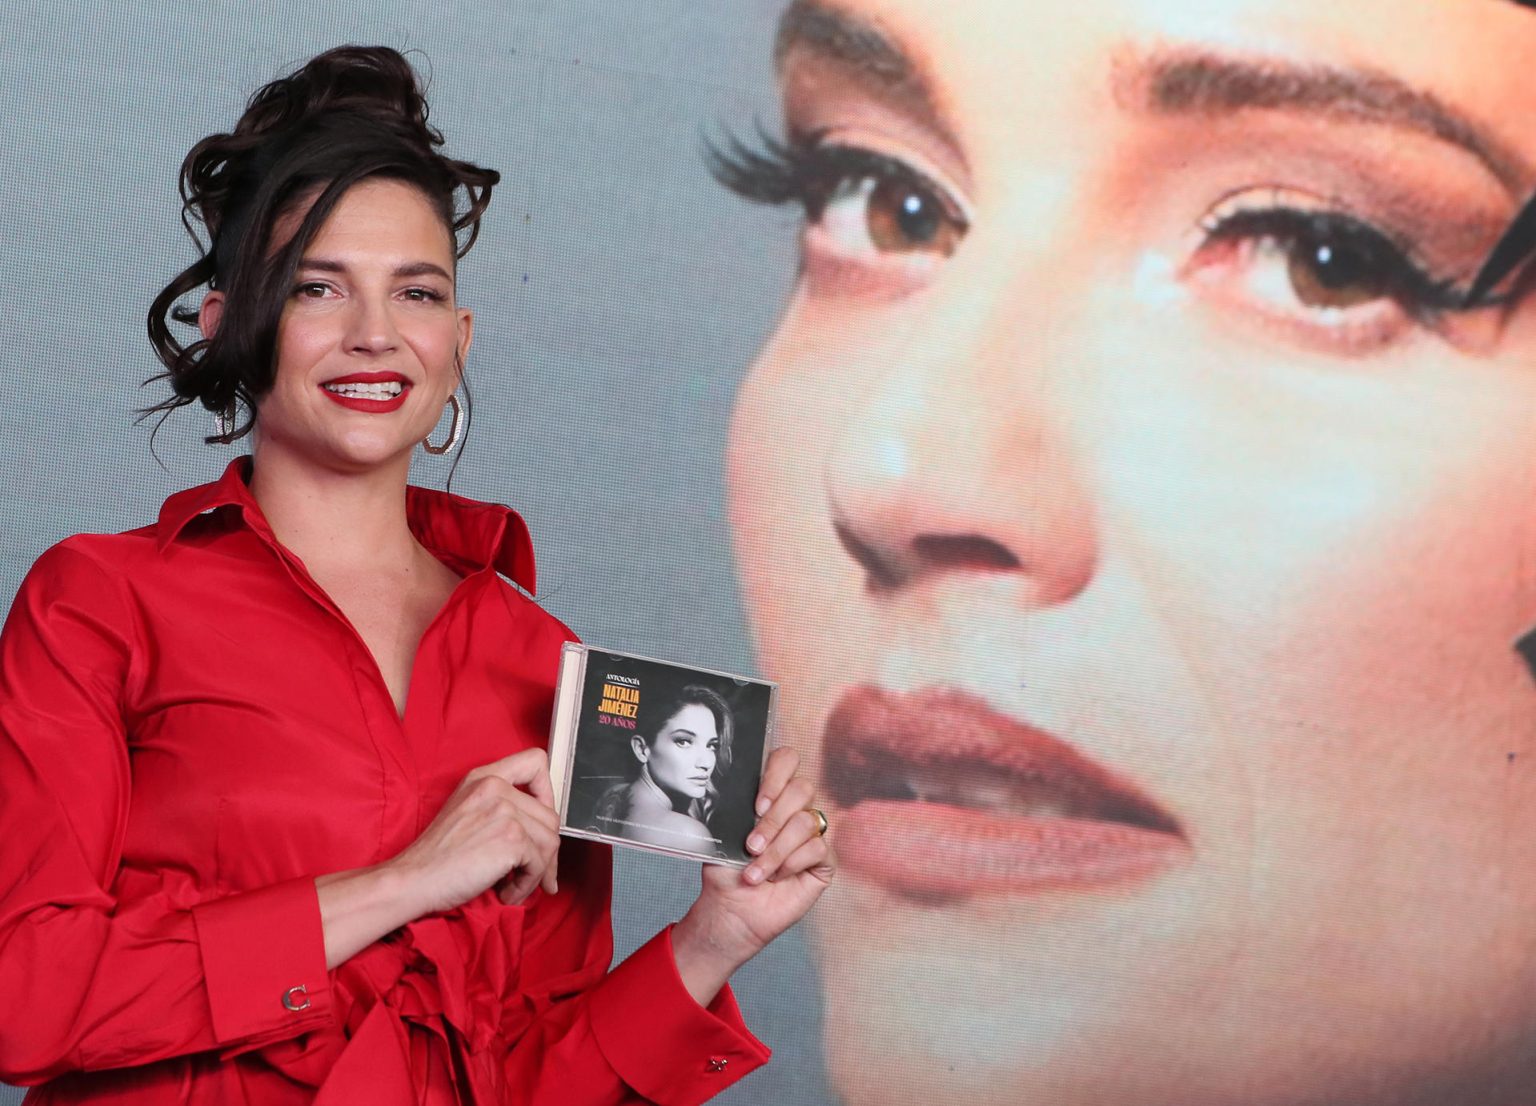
1140,526
681,756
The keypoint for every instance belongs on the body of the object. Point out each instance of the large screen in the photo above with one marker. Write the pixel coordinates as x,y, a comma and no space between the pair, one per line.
1078,410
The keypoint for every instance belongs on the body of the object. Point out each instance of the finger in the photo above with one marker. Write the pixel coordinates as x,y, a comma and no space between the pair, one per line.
494,793
517,886
550,883
544,836
793,799
537,850
798,828
528,769
496,798
814,856
528,808
532,813
515,767
539,785
777,772
531,837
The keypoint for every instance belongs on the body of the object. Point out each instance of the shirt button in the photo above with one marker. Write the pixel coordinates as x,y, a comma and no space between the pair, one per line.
296,998
717,1063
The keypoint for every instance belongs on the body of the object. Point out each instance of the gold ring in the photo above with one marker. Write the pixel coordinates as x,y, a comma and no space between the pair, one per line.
821,820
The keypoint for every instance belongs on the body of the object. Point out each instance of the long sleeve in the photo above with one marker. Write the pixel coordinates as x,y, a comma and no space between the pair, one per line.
633,1035
190,732
92,977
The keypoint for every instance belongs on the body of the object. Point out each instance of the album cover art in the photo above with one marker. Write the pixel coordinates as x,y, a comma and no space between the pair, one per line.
657,755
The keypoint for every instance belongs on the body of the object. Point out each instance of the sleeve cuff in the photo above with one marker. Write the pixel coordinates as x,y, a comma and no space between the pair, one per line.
661,1042
264,962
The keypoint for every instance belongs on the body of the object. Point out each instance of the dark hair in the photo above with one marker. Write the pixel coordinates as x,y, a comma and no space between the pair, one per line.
347,115
654,713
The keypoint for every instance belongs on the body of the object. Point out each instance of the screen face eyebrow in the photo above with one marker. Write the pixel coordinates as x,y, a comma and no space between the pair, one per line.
861,49
842,36
1174,82
1200,82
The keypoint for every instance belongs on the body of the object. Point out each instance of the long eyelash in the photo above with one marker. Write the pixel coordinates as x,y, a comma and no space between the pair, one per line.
806,170
766,171
1422,294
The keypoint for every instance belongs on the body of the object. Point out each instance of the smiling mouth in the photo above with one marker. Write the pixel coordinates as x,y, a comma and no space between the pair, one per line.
372,393
387,390
943,797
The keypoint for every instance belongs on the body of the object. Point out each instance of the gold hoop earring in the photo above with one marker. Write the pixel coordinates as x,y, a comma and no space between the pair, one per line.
455,429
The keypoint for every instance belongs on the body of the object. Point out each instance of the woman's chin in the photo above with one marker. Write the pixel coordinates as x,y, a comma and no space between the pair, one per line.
1165,995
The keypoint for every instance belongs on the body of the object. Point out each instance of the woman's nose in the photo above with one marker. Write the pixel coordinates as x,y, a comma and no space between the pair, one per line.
371,326
952,467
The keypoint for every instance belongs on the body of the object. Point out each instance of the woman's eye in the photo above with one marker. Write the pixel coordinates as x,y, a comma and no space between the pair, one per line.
875,225
311,289
889,213
1330,271
1332,274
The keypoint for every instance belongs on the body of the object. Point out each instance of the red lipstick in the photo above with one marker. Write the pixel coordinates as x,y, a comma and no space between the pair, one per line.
943,797
373,404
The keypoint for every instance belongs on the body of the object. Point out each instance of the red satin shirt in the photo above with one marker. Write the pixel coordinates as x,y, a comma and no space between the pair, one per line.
190,732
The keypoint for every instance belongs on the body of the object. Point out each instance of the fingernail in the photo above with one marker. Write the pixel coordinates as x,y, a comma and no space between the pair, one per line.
755,843
762,805
754,874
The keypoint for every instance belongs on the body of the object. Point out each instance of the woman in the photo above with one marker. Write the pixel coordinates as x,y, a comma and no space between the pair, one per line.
1166,512
683,746
277,822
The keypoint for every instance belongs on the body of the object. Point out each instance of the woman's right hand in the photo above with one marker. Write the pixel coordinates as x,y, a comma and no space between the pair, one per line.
498,829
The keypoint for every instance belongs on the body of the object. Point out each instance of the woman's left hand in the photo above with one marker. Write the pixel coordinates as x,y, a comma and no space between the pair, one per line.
739,912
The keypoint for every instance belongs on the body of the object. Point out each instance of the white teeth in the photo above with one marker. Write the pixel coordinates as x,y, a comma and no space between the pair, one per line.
982,790
1001,802
389,389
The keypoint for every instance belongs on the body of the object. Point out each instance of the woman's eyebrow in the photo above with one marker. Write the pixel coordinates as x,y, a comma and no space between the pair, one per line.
1190,81
853,43
1196,82
409,269
842,36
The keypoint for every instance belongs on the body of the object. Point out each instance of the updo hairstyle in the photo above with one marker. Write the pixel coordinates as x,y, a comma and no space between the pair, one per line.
349,114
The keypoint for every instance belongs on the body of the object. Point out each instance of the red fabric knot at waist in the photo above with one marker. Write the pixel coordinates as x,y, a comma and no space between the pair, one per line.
417,1015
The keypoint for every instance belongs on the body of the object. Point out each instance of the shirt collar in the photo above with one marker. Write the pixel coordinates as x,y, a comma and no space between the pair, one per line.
468,535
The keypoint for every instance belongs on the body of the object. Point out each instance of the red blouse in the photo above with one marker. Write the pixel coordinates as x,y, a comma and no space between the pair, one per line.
190,732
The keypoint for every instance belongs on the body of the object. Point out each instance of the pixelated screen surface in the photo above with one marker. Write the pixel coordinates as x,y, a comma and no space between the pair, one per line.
1078,412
